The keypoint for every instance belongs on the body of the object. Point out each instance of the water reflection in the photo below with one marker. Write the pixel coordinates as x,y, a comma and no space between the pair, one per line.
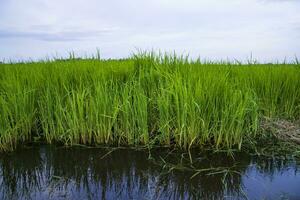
58,173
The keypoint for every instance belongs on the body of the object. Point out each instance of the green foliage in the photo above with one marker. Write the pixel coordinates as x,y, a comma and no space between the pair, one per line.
148,99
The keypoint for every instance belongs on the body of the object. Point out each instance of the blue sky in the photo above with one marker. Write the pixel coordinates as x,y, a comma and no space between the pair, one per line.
212,29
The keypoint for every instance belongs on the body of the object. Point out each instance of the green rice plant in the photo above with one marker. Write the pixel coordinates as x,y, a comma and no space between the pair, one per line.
148,99
17,111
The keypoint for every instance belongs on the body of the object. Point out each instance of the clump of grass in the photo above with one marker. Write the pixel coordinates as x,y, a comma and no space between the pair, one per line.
147,99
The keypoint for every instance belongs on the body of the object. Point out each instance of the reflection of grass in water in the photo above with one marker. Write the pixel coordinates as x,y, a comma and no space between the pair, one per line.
21,171
144,100
126,172
138,172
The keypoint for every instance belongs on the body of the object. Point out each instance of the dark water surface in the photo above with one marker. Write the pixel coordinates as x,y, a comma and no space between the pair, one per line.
48,172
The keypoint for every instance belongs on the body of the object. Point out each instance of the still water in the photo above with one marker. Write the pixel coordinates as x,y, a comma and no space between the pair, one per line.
48,172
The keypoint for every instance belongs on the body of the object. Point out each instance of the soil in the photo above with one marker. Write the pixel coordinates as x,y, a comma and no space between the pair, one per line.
283,129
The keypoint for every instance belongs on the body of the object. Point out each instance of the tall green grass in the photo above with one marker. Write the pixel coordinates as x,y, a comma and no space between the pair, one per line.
147,99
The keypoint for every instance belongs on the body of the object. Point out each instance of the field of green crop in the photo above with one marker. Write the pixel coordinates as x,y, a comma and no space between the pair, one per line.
143,100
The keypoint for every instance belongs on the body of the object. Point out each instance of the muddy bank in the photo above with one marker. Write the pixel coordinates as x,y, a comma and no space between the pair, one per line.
284,130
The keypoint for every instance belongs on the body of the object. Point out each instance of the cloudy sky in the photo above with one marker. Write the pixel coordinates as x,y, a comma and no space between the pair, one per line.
212,29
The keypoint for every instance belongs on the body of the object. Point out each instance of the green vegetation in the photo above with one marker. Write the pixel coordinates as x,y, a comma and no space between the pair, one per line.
144,100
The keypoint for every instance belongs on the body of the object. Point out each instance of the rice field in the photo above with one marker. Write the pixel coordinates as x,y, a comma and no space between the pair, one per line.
148,99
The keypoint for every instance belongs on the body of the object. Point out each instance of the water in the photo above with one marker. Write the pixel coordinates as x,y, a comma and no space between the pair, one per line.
47,172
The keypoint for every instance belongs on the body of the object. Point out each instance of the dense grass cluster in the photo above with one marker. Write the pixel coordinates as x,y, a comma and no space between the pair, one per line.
144,100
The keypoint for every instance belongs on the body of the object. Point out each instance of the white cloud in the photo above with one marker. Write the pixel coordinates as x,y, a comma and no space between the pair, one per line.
212,28
47,33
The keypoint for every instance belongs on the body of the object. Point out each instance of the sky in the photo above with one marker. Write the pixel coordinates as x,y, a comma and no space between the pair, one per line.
211,29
